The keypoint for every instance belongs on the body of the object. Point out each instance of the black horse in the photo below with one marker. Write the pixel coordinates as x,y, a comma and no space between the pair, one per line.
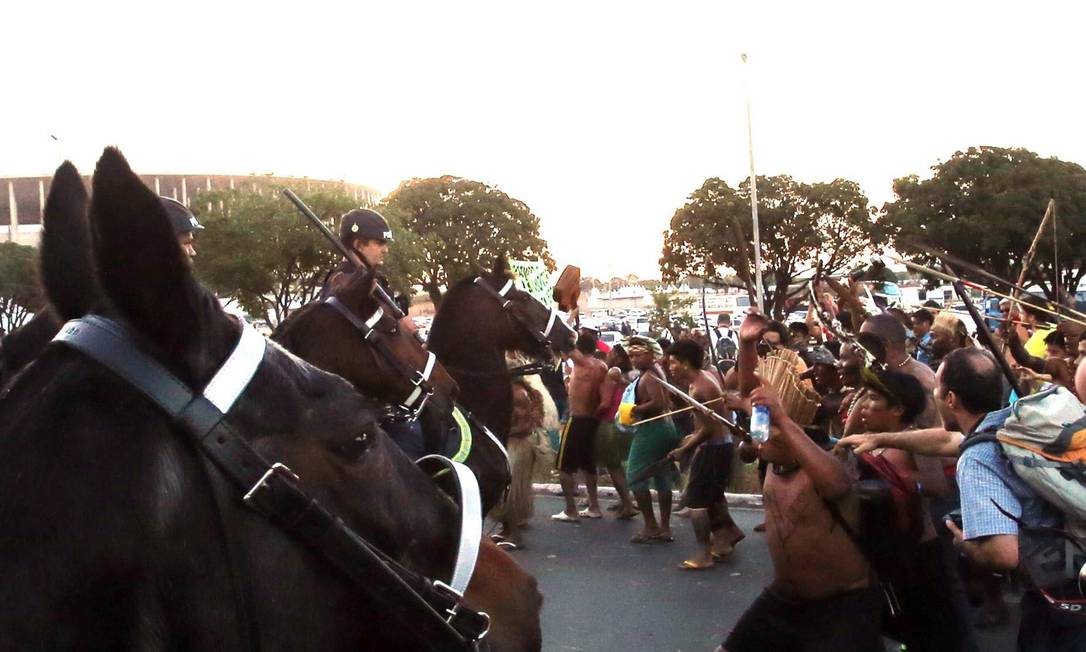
323,336
112,536
481,318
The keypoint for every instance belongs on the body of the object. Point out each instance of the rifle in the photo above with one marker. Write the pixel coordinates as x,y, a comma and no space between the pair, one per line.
347,253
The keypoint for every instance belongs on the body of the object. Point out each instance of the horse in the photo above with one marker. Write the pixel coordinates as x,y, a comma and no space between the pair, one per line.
482,317
334,338
120,530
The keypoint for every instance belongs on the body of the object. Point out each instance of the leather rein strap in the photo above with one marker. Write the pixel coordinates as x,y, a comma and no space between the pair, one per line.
423,390
542,336
273,489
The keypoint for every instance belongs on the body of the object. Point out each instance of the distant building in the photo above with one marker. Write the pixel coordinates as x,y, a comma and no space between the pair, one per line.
22,199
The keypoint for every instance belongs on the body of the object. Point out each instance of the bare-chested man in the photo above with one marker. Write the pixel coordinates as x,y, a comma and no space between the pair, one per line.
712,451
822,597
577,451
652,441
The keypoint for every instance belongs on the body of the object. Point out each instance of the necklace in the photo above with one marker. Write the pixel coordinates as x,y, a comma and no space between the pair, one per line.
785,469
904,362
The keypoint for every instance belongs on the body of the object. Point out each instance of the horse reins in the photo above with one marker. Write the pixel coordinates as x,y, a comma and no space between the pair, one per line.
541,336
274,490
420,378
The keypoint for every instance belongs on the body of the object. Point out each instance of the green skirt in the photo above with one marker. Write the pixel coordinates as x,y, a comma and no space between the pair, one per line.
612,445
651,442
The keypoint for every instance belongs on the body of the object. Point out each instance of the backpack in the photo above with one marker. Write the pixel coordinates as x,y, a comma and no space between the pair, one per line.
725,346
1044,441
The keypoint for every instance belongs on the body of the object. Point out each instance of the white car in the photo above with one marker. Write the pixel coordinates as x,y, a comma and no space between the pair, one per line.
610,338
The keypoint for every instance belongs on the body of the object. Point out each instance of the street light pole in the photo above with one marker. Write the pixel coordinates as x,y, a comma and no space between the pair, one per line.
754,204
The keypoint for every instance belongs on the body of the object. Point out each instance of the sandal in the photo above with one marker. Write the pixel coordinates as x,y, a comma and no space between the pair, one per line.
643,538
584,513
664,538
692,565
563,517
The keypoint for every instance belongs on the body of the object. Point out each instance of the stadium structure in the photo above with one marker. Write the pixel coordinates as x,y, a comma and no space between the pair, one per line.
22,199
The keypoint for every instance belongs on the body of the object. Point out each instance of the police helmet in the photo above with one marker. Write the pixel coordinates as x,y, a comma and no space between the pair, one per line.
181,217
364,223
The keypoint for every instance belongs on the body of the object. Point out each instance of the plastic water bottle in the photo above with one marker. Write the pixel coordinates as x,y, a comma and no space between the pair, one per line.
759,424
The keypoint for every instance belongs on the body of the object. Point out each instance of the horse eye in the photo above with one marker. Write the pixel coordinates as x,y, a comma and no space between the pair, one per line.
354,448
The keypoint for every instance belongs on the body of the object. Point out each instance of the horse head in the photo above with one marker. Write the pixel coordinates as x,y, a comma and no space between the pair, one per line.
529,326
118,532
354,337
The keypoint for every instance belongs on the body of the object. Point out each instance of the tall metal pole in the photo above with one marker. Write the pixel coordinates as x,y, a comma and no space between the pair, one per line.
754,204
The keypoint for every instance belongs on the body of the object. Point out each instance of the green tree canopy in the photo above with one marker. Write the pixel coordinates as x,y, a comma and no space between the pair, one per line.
669,313
798,222
20,294
984,205
258,250
458,224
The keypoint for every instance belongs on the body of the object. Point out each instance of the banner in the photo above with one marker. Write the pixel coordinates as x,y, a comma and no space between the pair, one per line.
533,278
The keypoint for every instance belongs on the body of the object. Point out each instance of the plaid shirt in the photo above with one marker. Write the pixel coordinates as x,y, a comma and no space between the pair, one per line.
984,476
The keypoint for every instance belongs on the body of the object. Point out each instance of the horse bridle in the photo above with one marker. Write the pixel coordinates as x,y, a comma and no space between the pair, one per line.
542,337
274,491
419,378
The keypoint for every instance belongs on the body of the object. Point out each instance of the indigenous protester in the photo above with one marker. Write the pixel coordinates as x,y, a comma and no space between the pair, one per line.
799,336
922,321
948,333
822,596
613,444
528,448
710,465
822,371
652,441
929,617
577,452
1000,511
888,329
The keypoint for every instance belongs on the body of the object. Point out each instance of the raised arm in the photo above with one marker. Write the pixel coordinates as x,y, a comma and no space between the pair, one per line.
750,333
827,473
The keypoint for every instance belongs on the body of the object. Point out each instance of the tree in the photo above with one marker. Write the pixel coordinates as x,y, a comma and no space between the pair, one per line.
984,205
459,224
258,250
799,222
669,313
20,295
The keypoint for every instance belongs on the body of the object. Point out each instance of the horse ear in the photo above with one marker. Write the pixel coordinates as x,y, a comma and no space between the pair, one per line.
501,266
358,293
67,272
141,266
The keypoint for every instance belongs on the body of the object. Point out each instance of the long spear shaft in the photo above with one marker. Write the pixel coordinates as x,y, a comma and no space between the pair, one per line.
1027,260
985,336
952,279
700,407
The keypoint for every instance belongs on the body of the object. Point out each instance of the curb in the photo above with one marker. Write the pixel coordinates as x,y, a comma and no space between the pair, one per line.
734,500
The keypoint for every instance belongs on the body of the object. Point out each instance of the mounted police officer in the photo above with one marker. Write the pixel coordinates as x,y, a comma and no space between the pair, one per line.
367,233
185,225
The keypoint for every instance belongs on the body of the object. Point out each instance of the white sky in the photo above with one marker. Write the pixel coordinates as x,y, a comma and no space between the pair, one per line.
602,116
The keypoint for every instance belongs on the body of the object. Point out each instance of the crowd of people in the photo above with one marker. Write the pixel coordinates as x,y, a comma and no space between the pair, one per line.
892,507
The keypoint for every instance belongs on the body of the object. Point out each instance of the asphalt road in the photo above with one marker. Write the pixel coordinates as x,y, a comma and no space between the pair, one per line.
603,594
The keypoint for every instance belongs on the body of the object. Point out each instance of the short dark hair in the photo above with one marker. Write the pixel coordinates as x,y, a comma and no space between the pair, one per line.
923,315
975,378
724,318
688,351
586,343
900,388
874,344
778,328
799,327
845,317
1055,338
887,328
